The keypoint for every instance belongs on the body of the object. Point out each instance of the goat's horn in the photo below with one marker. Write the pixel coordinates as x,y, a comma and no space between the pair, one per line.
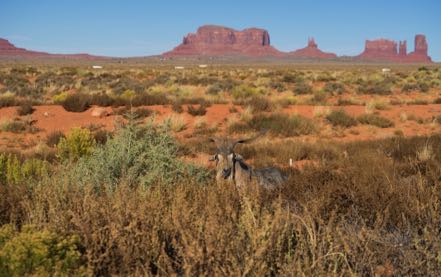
215,140
261,133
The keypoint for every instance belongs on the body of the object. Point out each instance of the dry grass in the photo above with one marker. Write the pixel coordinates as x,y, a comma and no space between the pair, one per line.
177,122
356,214
358,209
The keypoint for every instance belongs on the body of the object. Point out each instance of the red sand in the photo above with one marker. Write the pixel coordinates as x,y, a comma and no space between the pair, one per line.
52,118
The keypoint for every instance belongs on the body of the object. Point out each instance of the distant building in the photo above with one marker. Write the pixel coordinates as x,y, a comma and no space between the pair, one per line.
385,70
97,67
179,67
203,66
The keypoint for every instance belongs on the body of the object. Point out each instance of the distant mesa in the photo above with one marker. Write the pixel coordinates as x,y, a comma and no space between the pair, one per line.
7,49
312,51
389,50
218,41
212,40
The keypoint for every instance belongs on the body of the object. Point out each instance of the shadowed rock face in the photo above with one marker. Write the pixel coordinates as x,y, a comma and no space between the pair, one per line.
312,51
213,40
386,50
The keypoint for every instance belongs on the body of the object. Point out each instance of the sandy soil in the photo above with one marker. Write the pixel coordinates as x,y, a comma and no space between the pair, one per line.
52,118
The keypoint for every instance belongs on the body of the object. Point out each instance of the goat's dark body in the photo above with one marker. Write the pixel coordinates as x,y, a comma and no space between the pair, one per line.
231,167
268,177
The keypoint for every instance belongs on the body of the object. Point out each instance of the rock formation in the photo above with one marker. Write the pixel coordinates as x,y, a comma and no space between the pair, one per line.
311,51
7,49
211,40
386,50
402,49
218,41
420,52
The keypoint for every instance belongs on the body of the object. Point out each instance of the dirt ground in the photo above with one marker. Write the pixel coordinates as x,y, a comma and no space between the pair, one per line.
50,118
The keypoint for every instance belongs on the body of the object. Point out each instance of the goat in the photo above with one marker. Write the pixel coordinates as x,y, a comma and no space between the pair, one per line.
230,166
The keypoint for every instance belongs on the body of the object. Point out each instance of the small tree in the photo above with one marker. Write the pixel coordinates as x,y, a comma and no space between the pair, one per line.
78,143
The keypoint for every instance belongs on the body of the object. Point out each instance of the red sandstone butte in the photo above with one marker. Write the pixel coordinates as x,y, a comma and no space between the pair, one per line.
388,50
311,51
7,49
211,40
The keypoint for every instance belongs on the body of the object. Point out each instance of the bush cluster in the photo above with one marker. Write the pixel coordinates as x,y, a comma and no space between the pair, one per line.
375,120
15,171
277,124
341,118
33,252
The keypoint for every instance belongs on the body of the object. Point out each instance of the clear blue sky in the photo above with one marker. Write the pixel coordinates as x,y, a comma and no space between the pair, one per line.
139,28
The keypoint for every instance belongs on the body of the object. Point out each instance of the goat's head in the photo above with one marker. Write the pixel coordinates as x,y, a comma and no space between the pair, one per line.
225,157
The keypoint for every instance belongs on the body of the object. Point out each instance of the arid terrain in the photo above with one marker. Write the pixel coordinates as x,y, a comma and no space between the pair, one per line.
109,169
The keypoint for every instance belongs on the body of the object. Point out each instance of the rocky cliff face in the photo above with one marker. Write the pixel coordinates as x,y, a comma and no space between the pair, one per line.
7,49
213,40
420,52
311,51
386,50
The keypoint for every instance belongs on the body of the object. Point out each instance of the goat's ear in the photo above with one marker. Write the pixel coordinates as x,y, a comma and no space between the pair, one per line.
213,158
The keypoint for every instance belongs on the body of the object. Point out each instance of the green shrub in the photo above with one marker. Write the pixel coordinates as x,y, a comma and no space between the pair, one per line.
424,87
145,99
214,89
418,102
14,126
14,171
277,86
60,98
139,156
243,91
375,120
341,118
420,86
334,87
319,97
32,252
347,102
78,143
278,124
260,104
302,88
295,77
380,87
142,112
102,100
8,101
77,102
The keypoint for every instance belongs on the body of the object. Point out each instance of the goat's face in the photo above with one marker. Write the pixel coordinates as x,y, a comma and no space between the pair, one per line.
224,164
226,158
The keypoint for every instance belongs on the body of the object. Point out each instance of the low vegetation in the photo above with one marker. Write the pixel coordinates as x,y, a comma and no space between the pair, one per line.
277,124
375,120
341,118
131,203
159,208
